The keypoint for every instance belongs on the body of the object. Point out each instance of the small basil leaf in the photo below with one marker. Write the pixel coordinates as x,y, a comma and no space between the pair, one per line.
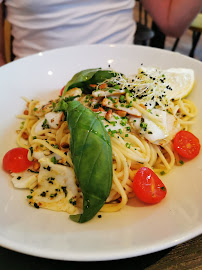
102,75
86,77
79,78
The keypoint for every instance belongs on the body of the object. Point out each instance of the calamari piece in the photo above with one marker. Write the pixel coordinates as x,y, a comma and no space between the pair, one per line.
152,132
54,119
43,107
120,106
51,120
73,92
107,93
24,179
56,189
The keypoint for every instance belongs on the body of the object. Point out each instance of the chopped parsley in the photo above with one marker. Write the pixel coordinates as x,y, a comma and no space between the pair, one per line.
113,123
112,132
72,201
129,105
122,99
54,160
124,121
128,145
143,126
45,124
55,146
111,91
53,195
117,87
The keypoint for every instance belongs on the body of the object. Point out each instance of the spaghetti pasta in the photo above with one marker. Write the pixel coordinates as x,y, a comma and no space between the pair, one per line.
133,139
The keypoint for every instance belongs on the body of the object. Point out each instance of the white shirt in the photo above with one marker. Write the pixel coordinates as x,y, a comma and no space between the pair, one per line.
39,25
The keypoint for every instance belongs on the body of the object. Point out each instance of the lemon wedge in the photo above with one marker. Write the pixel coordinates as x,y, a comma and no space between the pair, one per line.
179,81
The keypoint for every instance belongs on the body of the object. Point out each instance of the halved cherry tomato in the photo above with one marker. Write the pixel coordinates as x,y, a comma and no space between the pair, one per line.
62,90
148,187
15,160
186,144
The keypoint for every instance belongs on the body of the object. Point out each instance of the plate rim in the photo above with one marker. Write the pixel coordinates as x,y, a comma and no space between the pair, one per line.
103,257
26,58
121,254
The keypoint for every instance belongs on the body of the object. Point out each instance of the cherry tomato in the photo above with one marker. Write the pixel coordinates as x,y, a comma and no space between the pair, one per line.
62,90
15,160
148,187
186,144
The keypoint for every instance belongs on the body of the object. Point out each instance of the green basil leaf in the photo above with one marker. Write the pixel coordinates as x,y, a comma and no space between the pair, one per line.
91,155
85,77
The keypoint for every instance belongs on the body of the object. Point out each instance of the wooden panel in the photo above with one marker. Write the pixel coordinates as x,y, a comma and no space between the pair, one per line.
7,39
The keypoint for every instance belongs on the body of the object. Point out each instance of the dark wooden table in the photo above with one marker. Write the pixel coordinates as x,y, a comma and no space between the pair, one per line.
185,256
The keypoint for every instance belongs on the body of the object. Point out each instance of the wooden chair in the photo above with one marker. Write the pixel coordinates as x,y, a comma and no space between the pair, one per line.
7,36
7,41
143,32
158,40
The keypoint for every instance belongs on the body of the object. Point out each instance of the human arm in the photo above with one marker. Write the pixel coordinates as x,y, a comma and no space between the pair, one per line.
2,52
173,17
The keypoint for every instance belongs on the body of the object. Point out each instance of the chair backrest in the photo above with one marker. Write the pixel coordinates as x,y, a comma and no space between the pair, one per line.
7,40
143,32
7,36
196,25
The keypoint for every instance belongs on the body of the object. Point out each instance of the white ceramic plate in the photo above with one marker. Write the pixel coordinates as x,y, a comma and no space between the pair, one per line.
135,230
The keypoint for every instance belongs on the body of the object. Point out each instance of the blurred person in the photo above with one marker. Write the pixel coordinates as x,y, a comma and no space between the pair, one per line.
173,17
42,25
